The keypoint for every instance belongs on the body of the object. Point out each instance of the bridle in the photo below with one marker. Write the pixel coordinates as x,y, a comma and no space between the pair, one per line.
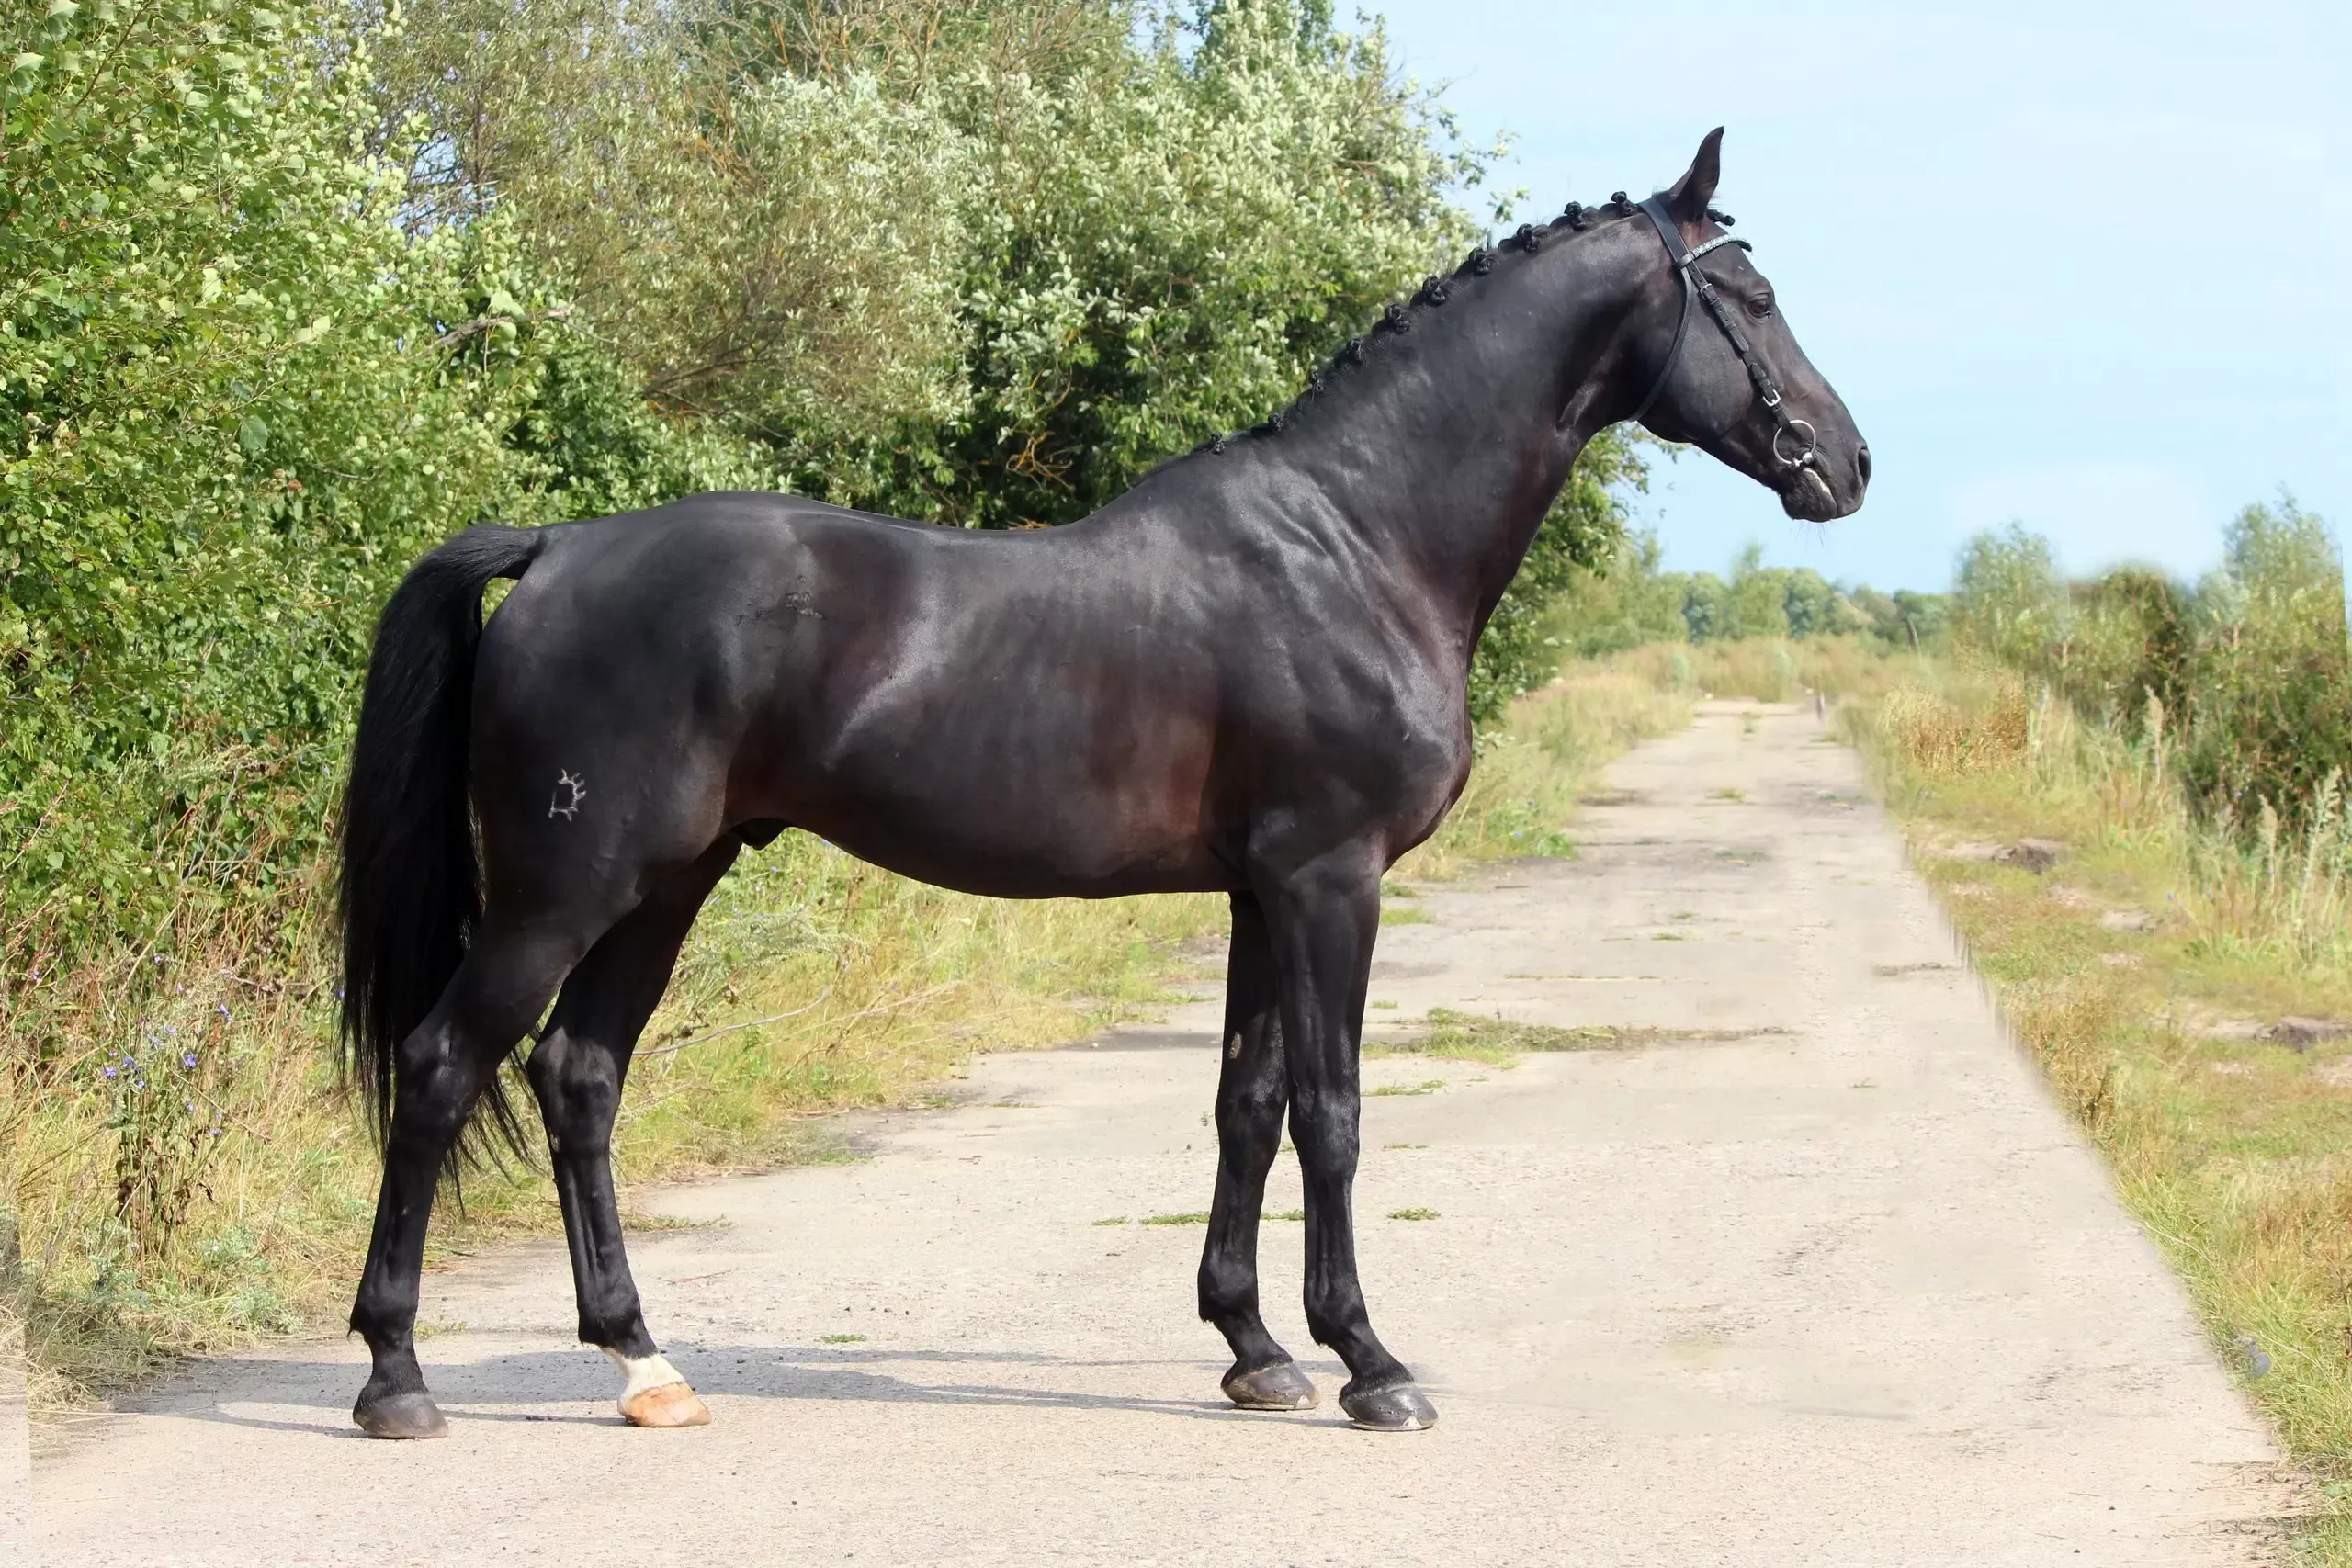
1694,282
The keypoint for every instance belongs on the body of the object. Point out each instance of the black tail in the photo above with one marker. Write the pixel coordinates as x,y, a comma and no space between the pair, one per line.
411,886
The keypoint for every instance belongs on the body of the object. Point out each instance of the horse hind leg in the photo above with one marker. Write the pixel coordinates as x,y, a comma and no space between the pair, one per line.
444,1067
1253,1088
577,1073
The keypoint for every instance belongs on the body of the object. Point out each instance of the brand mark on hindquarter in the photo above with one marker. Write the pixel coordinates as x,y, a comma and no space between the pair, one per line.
569,793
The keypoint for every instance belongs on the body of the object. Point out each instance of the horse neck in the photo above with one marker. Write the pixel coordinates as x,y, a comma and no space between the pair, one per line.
1443,452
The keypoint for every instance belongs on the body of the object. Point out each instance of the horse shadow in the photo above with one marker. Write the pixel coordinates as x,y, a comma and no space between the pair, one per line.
490,1387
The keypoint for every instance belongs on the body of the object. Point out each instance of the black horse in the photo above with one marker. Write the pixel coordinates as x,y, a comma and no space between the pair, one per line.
1245,675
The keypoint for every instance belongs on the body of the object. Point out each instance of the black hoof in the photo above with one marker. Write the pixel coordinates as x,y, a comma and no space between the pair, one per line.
1279,1387
399,1415
1400,1408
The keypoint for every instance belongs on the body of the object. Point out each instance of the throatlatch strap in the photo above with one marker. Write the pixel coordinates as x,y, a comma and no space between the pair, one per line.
1670,233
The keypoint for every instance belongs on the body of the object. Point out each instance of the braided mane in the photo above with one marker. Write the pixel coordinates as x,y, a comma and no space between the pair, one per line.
1397,318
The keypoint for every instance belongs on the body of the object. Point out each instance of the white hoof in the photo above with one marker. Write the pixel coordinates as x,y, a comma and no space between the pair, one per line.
656,1395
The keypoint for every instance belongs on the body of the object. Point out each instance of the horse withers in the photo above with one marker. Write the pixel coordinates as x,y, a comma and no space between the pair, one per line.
1246,675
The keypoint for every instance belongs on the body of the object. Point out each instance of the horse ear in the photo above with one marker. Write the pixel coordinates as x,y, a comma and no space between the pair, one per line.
1695,191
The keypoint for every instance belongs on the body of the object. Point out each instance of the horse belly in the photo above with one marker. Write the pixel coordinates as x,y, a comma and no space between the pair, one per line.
1069,845
1045,800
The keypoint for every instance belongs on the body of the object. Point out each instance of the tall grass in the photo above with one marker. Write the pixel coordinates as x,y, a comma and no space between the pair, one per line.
2275,890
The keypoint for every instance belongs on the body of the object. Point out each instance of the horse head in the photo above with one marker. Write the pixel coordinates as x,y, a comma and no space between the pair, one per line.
1721,368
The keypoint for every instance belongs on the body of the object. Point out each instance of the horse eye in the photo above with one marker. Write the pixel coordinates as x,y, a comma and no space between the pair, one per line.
1759,305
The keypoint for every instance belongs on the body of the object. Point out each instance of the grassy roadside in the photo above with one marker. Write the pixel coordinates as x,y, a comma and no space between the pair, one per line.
193,1180
2150,969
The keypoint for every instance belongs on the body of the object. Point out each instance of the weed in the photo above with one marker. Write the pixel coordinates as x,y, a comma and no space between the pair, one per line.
1200,1218
840,1339
1412,1213
1428,1087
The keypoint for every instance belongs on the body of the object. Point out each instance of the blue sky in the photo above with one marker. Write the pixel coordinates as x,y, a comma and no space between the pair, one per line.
2081,266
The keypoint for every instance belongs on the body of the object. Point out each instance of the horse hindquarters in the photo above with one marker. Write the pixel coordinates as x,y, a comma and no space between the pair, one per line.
585,803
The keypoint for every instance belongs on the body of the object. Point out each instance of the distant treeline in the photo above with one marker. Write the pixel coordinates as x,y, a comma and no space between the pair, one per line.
2240,677
1626,600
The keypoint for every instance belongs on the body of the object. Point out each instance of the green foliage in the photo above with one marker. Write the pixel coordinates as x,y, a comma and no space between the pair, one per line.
2008,600
982,264
2269,717
236,398
2241,679
1624,601
1903,619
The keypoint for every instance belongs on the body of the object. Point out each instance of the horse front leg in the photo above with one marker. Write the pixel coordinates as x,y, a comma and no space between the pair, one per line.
1323,919
1253,1088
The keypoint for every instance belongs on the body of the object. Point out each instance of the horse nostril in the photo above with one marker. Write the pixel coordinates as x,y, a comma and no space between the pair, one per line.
1863,462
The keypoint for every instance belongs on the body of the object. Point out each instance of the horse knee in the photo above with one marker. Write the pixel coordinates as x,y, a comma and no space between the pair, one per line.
1325,1129
1252,1115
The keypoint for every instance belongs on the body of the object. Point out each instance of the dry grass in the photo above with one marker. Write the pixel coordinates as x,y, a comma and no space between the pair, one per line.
1770,670
2140,970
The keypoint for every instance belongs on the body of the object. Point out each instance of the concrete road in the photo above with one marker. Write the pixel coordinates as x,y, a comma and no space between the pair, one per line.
1826,1281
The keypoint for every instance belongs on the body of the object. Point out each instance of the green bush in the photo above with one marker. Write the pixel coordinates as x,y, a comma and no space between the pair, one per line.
236,398
2244,673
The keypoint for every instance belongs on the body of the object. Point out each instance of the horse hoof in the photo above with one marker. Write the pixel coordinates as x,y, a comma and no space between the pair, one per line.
402,1416
1400,1408
671,1405
1279,1387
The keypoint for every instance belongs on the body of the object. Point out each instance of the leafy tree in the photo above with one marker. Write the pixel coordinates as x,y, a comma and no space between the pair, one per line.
2249,667
236,397
1809,603
2267,715
1620,602
1706,607
2008,599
